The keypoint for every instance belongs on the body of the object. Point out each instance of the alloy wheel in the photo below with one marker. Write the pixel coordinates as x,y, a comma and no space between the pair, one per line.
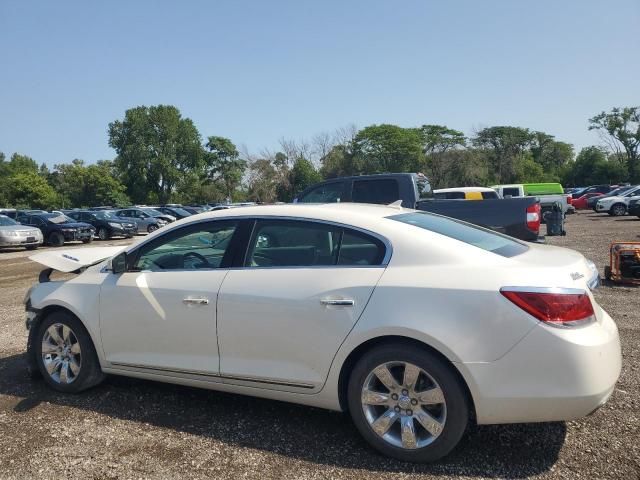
404,405
619,210
61,354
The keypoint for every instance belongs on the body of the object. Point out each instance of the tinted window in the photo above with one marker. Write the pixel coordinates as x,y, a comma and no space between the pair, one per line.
360,249
449,195
283,243
514,192
293,244
326,193
375,191
191,248
464,232
489,195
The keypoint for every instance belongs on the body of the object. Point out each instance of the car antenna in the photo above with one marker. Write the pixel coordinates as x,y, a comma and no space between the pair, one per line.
397,204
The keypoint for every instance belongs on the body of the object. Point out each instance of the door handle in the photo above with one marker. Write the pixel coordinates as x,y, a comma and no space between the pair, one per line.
195,301
344,302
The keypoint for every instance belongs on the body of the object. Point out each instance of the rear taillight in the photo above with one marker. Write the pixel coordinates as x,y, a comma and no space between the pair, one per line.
533,217
554,306
569,199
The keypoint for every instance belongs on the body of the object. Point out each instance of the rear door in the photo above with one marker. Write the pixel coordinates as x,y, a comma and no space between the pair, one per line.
301,288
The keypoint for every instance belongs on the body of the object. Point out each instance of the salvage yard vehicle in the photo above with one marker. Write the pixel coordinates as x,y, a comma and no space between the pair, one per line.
107,224
591,203
145,220
549,194
518,217
178,212
634,206
412,322
616,205
466,193
57,229
13,234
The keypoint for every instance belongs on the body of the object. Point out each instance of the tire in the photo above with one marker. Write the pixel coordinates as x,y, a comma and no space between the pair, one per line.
448,405
79,349
152,228
87,240
618,210
56,239
32,247
103,234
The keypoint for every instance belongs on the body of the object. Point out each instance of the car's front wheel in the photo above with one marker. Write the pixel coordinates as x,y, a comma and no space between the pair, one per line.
103,233
152,228
407,403
65,354
618,210
56,239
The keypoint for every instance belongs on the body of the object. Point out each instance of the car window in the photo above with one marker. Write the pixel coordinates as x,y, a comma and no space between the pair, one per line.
513,191
449,195
360,249
284,243
326,193
464,232
381,191
202,246
489,195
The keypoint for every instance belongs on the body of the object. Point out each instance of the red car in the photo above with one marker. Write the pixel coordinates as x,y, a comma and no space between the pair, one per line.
581,202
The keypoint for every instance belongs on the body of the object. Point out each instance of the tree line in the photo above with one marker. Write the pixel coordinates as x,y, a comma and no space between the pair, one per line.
161,157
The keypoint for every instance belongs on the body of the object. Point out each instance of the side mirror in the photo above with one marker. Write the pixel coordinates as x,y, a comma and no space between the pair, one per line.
118,263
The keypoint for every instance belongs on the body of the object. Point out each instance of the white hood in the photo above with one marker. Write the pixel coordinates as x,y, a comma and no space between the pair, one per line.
75,258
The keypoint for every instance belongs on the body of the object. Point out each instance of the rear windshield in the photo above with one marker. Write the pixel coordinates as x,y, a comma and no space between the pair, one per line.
465,232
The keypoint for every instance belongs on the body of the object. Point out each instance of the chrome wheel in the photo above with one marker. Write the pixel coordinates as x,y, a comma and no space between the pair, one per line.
61,353
403,405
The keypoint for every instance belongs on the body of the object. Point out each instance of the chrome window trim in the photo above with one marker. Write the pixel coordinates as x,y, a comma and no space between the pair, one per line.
385,260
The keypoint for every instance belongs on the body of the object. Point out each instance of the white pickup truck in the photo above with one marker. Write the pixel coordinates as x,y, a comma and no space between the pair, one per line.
547,200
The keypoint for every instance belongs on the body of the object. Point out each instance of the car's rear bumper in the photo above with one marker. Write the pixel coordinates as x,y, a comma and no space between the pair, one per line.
552,374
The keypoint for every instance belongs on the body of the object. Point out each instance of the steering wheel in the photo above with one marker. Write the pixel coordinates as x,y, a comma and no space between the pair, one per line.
204,263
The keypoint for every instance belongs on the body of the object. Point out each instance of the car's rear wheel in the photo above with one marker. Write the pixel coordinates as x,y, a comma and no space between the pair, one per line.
103,234
407,403
152,228
56,239
65,354
618,210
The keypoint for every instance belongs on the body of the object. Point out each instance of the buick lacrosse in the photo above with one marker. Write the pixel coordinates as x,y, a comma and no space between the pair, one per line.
414,323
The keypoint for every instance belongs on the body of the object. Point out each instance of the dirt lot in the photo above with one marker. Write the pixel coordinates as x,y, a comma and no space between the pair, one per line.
136,429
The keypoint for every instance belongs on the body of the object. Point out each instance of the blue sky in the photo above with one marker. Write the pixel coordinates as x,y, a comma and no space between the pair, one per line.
257,71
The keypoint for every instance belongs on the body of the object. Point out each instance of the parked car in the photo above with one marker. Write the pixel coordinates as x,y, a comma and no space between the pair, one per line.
581,203
155,213
518,217
466,193
194,210
490,328
144,221
13,234
106,223
591,203
57,229
634,206
177,212
617,205
549,194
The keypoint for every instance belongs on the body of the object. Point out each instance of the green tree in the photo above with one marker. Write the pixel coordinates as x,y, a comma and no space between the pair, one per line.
302,175
549,153
387,148
21,164
87,186
224,165
622,127
593,167
263,181
504,145
156,146
29,190
437,140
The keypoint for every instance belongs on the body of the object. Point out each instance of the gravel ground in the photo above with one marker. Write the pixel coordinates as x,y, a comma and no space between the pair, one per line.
136,429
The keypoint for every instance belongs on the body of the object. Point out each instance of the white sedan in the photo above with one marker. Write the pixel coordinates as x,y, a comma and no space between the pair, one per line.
415,323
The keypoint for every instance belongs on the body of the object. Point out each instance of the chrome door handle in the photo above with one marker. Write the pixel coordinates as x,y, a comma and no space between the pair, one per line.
346,302
195,301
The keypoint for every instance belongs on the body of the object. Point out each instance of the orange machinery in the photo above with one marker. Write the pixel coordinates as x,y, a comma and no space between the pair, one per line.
624,263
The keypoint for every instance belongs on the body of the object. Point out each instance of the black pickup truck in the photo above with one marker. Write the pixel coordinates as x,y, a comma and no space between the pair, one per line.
517,217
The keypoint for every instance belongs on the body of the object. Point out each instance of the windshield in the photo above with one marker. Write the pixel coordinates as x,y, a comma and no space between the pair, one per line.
152,212
180,211
103,215
465,232
6,221
56,218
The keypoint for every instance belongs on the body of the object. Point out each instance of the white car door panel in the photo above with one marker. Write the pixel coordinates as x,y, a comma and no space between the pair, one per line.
161,320
285,325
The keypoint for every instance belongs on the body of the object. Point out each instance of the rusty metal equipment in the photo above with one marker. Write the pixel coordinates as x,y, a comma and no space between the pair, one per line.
624,263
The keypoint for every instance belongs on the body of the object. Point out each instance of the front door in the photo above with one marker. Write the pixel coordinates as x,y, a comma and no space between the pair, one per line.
283,316
161,313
